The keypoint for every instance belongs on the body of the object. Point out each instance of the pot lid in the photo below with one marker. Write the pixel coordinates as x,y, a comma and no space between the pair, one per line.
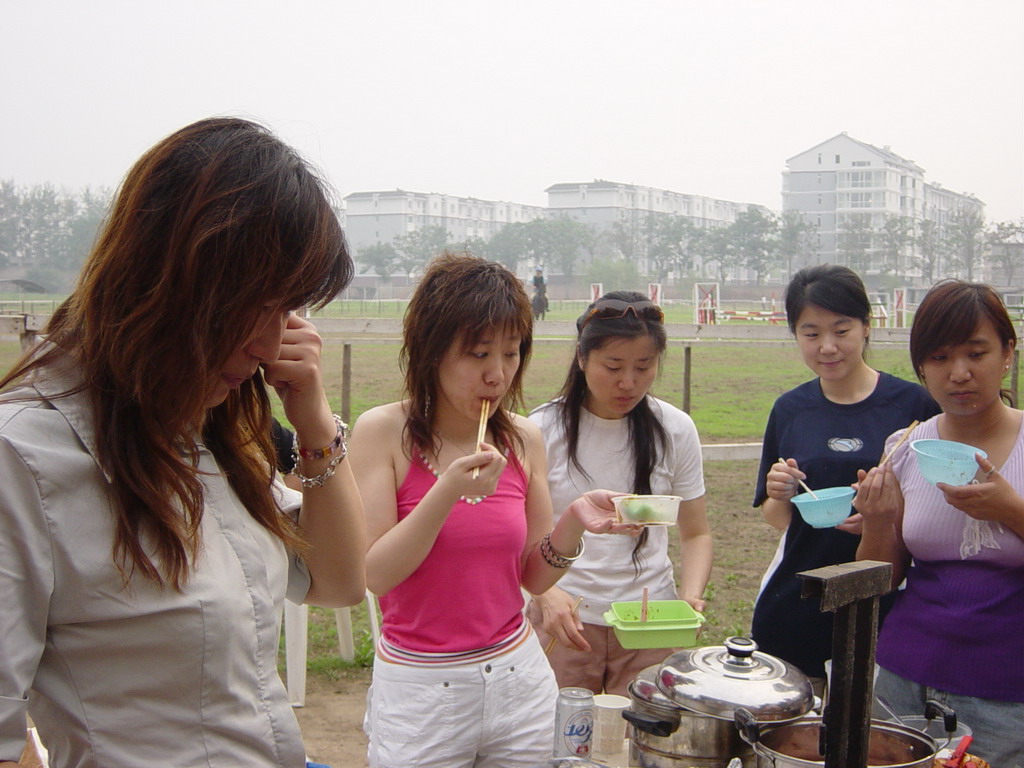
717,679
645,688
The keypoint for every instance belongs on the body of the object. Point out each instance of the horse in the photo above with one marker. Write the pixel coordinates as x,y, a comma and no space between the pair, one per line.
539,305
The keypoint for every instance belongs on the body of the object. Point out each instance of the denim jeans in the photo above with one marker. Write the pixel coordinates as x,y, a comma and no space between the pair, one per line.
997,726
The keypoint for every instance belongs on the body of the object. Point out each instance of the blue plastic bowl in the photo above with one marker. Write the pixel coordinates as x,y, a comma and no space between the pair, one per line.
946,461
830,508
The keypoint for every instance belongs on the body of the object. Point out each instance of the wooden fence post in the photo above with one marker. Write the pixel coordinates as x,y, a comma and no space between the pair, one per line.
687,366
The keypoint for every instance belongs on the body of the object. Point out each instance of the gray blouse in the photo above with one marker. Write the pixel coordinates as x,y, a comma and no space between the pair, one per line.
136,676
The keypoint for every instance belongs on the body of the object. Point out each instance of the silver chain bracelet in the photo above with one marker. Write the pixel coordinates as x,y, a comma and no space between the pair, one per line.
317,481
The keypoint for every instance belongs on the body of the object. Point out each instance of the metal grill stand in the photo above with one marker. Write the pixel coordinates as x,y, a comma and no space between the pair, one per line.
852,591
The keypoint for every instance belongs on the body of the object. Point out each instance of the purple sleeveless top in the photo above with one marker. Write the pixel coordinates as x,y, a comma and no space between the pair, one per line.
959,624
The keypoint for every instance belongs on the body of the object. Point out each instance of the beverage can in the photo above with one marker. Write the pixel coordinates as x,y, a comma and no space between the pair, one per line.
574,722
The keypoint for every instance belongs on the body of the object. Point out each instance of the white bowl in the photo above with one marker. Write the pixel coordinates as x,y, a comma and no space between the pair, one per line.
647,509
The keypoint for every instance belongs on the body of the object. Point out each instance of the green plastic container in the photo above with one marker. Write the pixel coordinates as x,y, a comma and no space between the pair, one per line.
670,624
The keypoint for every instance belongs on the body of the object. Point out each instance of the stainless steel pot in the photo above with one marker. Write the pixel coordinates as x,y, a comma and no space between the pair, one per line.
682,710
795,745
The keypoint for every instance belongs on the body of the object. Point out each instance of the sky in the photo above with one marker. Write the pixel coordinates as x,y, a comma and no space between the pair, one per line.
500,100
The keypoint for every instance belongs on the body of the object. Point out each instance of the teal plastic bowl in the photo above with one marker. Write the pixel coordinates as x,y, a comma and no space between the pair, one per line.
946,461
828,510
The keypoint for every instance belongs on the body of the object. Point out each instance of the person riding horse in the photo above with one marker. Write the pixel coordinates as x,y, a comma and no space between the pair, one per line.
540,294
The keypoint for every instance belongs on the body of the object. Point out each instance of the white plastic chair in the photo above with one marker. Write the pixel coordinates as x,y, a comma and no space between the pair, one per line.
296,628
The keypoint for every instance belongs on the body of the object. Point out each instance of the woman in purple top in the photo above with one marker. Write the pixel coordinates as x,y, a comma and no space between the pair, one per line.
956,632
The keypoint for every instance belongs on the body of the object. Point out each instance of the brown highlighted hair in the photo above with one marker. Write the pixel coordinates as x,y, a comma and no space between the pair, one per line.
949,315
460,299
212,225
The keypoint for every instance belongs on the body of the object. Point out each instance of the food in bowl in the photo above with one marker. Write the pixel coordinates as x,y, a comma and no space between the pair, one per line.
647,509
828,510
946,461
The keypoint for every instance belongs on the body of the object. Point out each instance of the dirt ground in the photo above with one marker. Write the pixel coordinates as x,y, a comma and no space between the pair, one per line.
332,719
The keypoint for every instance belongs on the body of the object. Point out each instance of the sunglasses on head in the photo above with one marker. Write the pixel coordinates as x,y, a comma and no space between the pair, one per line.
612,309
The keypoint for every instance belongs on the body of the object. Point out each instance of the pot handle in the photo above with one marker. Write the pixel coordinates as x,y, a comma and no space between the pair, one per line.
933,709
750,730
648,724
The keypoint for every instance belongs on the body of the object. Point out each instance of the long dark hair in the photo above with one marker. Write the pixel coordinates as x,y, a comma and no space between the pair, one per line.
949,315
460,299
211,225
647,436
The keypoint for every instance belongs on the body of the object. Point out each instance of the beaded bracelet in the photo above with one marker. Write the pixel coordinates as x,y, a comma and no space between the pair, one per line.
329,450
339,448
553,558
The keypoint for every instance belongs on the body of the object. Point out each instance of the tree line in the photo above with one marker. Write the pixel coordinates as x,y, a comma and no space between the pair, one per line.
46,232
757,242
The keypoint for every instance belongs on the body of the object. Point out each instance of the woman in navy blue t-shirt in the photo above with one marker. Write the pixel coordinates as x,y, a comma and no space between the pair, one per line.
825,429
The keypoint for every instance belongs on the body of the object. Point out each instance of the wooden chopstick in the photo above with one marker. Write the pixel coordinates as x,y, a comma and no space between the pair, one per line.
553,640
643,608
802,483
481,431
899,442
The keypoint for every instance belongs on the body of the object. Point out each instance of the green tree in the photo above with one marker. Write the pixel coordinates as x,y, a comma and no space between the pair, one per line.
893,241
796,240
855,241
626,236
615,274
1005,241
965,241
559,242
715,248
382,258
509,245
668,246
755,242
929,249
418,247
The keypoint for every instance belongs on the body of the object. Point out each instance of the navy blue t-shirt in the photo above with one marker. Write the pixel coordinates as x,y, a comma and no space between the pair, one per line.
830,442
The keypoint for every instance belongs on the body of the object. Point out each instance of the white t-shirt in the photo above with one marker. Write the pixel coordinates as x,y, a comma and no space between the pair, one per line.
605,573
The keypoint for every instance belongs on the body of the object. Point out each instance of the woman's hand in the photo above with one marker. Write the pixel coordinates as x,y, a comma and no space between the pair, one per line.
991,499
458,478
296,377
879,500
559,619
595,511
782,482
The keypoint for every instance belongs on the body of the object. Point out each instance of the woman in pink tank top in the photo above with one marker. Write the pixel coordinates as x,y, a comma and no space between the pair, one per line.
459,521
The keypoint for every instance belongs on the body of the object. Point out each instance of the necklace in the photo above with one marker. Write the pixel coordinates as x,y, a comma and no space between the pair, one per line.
475,500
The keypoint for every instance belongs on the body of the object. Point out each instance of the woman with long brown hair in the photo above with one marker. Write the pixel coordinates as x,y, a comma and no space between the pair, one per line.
457,526
147,544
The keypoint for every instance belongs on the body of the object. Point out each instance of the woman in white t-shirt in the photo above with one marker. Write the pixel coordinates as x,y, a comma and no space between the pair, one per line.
605,431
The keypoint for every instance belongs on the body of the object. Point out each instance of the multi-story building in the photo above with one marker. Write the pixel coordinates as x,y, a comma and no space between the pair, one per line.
844,187
602,203
380,217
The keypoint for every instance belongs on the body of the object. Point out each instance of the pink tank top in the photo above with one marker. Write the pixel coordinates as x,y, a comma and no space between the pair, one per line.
465,595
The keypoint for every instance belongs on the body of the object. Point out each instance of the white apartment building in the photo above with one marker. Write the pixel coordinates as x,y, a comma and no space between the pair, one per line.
843,183
600,203
379,217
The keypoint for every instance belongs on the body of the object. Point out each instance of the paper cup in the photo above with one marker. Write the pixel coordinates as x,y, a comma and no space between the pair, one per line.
609,726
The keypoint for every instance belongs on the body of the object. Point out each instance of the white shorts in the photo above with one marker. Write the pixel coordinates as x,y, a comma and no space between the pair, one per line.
492,714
